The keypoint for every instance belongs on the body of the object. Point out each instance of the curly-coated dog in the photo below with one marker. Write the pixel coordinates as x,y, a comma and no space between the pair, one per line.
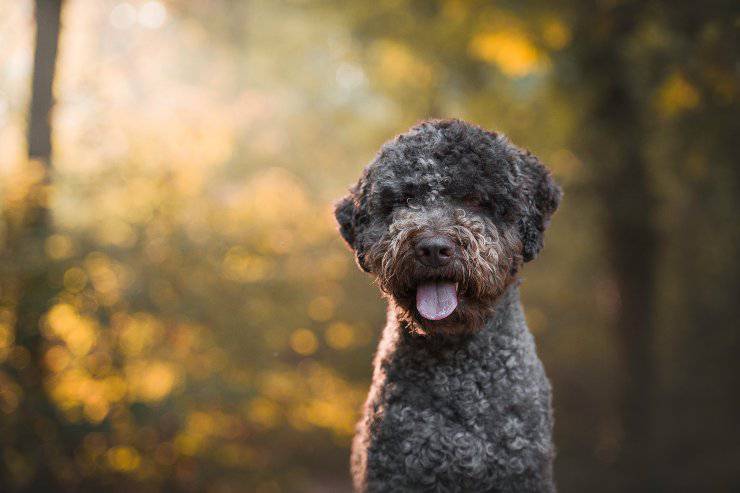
444,217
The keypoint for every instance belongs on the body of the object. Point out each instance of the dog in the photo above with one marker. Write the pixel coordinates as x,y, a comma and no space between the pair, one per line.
444,218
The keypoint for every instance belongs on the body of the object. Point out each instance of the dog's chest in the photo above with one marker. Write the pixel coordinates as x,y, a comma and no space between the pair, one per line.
468,415
473,387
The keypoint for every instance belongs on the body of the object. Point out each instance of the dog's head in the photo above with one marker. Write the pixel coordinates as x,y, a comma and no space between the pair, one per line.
444,217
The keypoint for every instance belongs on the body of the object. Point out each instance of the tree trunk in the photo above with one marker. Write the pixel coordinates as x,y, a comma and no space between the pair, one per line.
631,241
614,143
44,63
36,430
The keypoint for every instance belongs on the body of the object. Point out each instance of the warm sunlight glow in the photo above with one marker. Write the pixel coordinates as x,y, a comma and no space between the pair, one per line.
510,50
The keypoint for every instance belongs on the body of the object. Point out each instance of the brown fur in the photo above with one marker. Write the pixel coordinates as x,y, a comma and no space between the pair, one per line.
487,262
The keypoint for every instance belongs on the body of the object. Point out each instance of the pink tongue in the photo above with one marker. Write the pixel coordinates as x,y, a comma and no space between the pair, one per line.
436,300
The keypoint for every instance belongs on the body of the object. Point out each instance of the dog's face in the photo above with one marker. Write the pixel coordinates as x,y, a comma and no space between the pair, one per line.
444,217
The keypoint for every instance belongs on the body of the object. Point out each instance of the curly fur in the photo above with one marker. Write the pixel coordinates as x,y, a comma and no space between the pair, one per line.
460,404
487,263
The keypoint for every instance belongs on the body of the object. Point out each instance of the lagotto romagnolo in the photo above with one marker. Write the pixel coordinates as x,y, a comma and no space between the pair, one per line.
444,218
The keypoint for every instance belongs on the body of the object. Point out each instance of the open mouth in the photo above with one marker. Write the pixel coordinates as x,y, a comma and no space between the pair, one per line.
436,300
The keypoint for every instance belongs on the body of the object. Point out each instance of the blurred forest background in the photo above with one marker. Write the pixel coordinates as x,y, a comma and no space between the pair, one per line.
178,313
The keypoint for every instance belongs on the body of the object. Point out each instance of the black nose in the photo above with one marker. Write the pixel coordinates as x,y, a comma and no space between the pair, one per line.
435,251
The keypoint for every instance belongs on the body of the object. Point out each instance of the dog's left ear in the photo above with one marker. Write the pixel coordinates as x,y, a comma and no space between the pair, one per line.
541,196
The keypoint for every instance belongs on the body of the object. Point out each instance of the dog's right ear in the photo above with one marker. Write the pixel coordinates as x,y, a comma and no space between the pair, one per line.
348,212
344,211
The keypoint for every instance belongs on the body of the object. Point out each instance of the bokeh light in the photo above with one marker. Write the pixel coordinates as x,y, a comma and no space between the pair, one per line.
178,312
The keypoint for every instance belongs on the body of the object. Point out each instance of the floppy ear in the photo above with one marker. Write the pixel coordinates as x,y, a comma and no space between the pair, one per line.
541,196
344,211
347,213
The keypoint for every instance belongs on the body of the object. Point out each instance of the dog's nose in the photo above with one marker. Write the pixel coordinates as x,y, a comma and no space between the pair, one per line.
435,251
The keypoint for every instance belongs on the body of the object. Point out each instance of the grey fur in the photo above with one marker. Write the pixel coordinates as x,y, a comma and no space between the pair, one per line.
461,404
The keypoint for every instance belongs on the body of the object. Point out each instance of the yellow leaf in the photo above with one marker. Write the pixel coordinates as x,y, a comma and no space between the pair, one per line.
304,342
676,95
556,34
511,50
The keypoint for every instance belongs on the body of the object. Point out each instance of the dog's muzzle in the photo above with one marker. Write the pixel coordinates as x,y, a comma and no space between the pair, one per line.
436,299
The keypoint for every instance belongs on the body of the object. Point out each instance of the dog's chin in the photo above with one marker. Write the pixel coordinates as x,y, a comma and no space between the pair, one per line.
452,324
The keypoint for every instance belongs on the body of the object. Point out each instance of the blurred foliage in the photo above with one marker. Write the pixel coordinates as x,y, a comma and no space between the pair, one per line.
207,329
